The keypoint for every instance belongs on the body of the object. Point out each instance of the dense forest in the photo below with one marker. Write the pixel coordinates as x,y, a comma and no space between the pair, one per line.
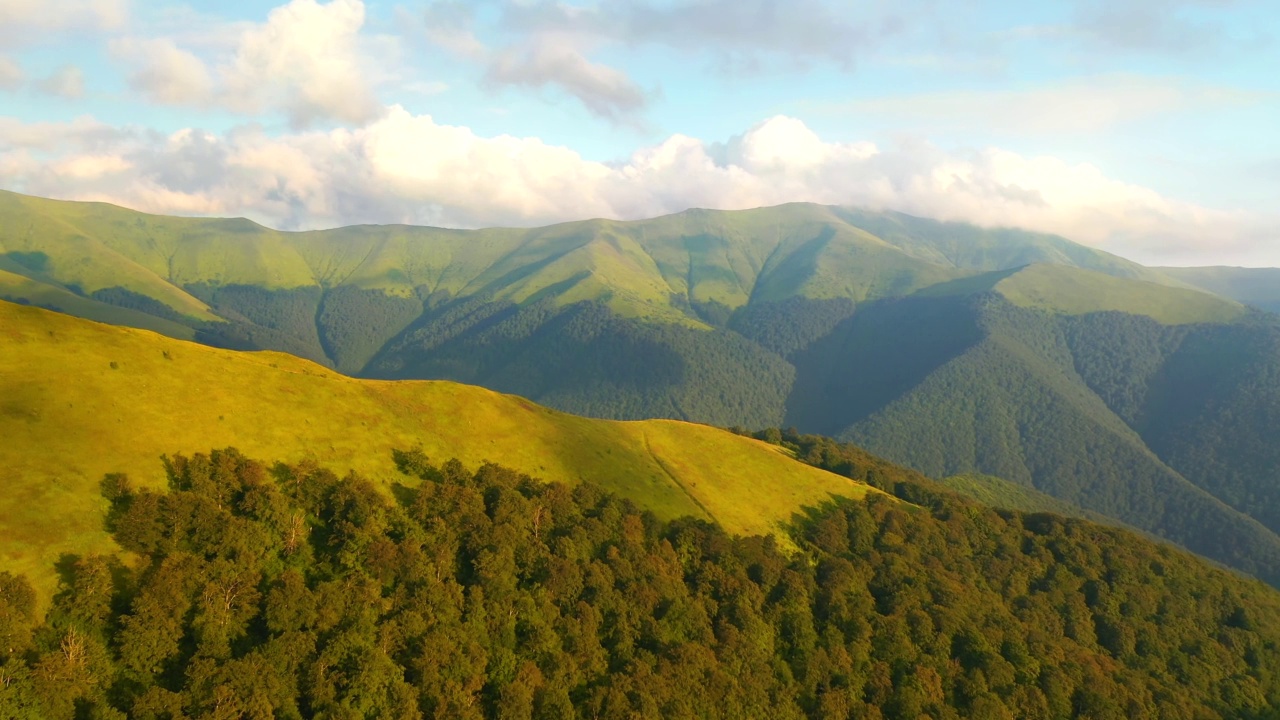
587,360
274,591
1075,407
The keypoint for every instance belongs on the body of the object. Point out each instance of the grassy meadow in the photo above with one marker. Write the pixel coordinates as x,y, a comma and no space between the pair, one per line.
79,400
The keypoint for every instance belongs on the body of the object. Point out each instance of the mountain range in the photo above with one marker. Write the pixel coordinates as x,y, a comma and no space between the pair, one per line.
400,559
1148,395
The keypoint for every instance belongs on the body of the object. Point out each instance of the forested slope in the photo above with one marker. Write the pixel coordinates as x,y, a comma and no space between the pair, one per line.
278,591
1019,393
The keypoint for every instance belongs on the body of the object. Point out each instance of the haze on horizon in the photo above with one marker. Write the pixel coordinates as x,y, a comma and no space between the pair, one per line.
1144,128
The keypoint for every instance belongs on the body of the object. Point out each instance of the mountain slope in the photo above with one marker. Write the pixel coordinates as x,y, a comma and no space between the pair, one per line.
1259,287
947,347
1206,398
135,396
689,269
17,288
982,385
292,592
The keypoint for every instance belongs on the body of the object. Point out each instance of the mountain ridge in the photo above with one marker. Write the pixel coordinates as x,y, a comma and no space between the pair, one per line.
637,265
1039,360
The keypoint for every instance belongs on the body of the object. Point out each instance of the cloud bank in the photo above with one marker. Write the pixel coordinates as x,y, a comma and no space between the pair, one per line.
550,43
306,61
405,168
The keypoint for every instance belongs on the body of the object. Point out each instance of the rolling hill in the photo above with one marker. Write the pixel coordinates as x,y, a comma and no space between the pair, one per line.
1125,390
79,400
275,590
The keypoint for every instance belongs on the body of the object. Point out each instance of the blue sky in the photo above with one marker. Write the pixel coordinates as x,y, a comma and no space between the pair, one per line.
1144,127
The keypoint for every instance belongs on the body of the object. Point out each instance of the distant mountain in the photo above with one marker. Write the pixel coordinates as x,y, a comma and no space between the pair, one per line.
1259,287
1121,389
339,296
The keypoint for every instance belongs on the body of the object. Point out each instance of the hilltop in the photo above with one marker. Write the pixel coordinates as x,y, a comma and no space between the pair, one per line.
79,400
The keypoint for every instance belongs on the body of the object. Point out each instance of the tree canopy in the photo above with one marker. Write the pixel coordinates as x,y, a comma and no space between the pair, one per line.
275,591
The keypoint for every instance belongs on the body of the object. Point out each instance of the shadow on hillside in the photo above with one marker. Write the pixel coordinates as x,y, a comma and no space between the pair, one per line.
875,356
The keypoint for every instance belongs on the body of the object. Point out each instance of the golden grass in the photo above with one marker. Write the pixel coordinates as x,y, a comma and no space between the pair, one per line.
747,485
79,400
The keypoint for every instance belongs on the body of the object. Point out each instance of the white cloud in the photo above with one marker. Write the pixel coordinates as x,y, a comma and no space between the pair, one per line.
164,72
27,22
308,61
11,74
742,30
547,55
78,136
90,167
548,60
1177,27
549,44
67,82
404,168
305,61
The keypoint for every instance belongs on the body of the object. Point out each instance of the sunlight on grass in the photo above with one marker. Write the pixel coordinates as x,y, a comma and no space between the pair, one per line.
79,400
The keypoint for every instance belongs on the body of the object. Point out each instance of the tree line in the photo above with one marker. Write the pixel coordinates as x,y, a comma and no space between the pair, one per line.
254,590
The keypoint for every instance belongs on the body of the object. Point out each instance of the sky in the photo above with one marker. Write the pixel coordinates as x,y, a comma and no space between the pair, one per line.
1147,128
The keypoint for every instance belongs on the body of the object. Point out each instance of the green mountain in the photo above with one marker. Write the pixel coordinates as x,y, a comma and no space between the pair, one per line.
649,569
1083,407
1259,287
429,549
340,296
1067,290
1121,389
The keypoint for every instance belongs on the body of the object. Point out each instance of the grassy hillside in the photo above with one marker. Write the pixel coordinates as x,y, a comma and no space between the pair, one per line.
588,360
1073,291
1070,290
27,291
1259,287
984,249
79,400
292,592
